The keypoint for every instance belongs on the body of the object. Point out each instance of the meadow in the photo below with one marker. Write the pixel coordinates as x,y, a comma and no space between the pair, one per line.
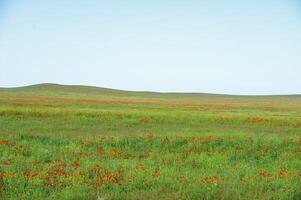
77,142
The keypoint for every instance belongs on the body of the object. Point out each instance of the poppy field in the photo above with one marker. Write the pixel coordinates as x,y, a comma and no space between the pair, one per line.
75,142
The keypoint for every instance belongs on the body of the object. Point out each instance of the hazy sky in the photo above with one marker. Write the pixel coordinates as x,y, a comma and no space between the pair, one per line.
234,47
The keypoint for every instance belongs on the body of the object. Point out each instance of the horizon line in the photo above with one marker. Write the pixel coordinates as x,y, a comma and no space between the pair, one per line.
150,91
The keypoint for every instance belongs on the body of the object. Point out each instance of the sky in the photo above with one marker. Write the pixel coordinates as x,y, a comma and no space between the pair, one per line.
213,46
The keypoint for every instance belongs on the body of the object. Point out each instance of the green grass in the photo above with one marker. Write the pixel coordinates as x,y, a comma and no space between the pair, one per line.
78,142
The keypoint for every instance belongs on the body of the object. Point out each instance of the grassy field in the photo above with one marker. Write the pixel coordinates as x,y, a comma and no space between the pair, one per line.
76,142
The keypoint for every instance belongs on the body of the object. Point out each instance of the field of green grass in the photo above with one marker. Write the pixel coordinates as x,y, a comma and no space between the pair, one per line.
78,142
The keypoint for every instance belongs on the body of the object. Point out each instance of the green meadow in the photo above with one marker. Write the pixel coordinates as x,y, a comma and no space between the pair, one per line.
78,142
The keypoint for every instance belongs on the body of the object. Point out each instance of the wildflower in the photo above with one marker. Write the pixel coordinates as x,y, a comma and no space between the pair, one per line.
181,178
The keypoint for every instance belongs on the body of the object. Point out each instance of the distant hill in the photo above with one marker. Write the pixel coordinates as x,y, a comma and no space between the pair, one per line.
58,88
52,89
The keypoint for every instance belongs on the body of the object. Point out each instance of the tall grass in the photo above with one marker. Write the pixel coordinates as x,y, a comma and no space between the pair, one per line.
59,146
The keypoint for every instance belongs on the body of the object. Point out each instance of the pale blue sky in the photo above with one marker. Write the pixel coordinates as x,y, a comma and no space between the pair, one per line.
233,46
